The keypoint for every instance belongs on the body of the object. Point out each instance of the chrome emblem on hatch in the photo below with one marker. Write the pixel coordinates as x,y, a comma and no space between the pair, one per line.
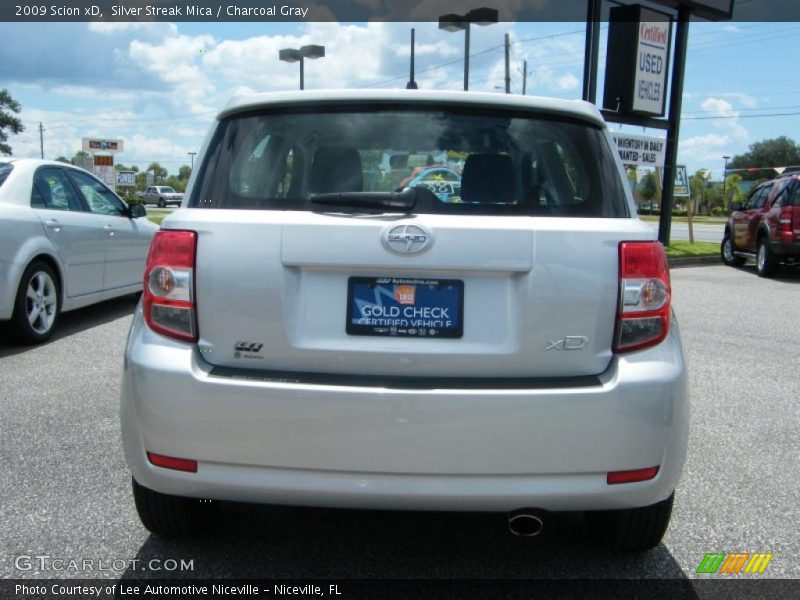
570,342
407,239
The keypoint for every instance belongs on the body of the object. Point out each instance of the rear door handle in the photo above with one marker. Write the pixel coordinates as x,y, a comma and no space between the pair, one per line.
110,229
53,224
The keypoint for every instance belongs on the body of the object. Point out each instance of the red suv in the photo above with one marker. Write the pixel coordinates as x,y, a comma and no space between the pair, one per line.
766,227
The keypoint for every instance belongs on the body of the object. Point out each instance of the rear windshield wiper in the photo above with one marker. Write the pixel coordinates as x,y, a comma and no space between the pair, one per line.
404,201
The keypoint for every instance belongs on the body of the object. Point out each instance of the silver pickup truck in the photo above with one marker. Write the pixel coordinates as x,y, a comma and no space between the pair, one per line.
162,195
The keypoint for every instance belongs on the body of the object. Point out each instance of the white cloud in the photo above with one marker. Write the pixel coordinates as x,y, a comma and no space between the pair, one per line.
729,118
567,82
703,148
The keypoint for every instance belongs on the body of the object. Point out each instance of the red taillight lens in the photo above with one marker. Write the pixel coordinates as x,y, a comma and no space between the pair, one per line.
644,299
170,462
785,219
786,225
631,476
169,305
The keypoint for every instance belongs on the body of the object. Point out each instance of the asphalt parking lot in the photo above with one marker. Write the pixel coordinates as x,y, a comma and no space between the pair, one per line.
66,488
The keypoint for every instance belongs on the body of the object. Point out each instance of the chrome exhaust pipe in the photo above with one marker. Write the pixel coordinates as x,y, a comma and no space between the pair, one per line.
526,522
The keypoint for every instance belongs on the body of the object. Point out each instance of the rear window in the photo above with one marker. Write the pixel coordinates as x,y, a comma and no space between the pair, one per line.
466,162
5,171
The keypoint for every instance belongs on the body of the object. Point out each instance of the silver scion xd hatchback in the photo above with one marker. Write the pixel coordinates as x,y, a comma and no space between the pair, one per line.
314,332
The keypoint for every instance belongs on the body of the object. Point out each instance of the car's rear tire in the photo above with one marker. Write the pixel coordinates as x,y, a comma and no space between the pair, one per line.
161,203
766,264
170,516
727,249
630,530
37,305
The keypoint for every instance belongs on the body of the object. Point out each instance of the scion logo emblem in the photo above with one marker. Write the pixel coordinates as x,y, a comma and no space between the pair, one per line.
570,342
407,239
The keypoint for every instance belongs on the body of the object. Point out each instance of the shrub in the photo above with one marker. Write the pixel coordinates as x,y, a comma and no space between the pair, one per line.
132,199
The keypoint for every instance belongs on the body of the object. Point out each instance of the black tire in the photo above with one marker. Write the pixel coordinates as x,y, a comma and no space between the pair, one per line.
630,530
161,203
766,264
727,249
170,516
43,327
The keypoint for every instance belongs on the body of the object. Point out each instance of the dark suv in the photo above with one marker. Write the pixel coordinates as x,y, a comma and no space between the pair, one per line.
766,226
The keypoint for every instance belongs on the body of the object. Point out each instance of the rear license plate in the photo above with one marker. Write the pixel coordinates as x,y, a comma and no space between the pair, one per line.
400,307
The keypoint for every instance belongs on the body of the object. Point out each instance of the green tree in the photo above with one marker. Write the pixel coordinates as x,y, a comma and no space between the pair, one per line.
8,122
647,187
64,159
185,172
777,152
159,172
733,192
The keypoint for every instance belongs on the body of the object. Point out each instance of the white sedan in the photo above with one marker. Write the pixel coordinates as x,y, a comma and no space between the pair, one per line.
66,241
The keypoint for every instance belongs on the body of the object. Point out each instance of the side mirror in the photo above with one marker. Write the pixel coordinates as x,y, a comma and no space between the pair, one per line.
736,206
137,210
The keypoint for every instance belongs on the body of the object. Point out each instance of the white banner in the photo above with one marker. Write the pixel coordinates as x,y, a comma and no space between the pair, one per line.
640,150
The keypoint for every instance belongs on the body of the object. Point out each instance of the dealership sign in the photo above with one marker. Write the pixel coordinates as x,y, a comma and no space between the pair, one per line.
99,145
681,182
126,178
640,150
637,62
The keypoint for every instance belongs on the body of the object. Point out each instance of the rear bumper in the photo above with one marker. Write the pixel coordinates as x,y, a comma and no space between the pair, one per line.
9,280
365,446
785,249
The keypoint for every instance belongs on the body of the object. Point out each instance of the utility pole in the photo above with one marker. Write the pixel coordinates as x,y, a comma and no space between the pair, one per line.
524,76
41,139
192,154
508,65
411,85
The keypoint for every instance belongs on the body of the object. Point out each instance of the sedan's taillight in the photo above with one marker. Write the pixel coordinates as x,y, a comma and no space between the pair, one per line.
644,300
169,304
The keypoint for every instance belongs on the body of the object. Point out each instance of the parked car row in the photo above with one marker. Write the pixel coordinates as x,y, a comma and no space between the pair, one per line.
66,241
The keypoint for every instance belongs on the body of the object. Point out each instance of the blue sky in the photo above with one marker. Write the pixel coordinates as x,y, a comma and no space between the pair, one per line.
158,85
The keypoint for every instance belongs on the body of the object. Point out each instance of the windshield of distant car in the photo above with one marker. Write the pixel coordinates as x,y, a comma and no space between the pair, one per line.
167,190
471,161
5,171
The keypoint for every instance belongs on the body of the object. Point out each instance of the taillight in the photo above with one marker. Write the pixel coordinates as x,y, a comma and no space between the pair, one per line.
785,225
644,301
785,219
169,305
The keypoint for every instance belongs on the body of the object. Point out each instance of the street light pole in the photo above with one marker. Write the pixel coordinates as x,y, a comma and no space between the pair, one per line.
479,16
299,54
192,154
724,181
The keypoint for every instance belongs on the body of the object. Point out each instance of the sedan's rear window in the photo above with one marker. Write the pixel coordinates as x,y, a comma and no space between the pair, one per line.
5,171
467,162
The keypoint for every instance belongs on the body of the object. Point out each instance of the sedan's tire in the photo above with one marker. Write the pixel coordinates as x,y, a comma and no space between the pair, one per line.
727,249
766,264
37,305
161,203
169,516
630,530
